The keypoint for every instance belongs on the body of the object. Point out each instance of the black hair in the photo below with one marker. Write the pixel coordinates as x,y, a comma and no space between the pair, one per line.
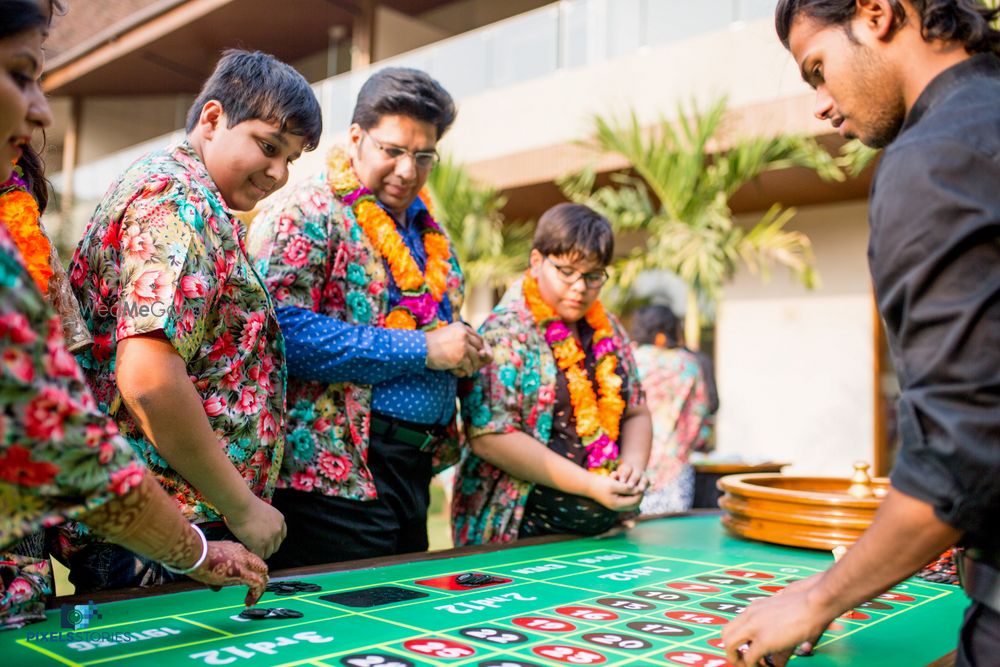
404,91
649,321
963,21
16,16
251,85
33,169
574,229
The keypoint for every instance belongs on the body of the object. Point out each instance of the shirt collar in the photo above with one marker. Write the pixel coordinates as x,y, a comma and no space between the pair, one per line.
979,65
186,155
411,213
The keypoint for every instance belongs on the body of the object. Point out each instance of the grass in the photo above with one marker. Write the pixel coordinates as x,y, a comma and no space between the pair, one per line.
438,532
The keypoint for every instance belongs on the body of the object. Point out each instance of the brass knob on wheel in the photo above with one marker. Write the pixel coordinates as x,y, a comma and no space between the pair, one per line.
861,482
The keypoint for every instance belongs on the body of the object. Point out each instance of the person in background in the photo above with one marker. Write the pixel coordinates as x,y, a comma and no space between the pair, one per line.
677,396
60,457
558,427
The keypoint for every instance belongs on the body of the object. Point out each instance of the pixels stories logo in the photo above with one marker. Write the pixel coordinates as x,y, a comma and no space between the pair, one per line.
78,616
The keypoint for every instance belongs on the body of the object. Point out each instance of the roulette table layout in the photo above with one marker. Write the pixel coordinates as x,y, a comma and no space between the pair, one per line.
657,594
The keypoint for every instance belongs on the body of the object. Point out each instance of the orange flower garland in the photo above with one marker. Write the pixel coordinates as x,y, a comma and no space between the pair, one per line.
19,212
422,292
598,415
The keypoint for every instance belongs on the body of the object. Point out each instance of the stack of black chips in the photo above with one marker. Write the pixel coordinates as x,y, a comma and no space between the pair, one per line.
475,579
260,613
292,587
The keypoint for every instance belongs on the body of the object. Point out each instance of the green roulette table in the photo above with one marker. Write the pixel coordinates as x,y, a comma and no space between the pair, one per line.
657,594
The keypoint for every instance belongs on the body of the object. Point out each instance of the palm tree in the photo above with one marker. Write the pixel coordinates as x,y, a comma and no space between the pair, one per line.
679,199
490,250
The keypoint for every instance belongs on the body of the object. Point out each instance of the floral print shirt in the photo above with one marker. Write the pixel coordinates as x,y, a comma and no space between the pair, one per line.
515,392
317,257
60,457
162,252
678,401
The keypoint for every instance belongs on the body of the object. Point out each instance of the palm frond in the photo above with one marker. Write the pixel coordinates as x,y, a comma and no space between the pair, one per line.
490,250
768,243
855,157
681,197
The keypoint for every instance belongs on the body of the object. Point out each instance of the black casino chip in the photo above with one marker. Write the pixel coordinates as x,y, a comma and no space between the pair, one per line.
471,579
260,613
292,587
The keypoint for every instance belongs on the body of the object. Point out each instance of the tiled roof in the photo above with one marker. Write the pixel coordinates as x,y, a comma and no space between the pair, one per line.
83,19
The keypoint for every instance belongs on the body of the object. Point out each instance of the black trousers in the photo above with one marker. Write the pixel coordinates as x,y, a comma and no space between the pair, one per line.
979,645
100,566
325,529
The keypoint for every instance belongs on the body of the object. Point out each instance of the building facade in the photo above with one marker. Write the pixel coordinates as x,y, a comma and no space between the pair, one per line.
800,373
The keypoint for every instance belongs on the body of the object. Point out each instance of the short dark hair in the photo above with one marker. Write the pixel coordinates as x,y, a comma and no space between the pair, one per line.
251,85
574,229
404,91
655,319
16,16
963,21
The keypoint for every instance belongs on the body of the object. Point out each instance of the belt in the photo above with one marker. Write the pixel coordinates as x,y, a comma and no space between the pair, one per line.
420,436
980,580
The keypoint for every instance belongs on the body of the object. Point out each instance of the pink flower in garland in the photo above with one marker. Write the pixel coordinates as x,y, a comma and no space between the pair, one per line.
423,307
604,347
556,332
601,450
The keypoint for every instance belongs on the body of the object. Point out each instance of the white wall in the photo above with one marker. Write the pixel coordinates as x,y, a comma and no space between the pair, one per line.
795,368
110,124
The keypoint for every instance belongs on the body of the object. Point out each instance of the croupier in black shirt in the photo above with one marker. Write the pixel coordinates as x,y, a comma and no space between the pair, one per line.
922,78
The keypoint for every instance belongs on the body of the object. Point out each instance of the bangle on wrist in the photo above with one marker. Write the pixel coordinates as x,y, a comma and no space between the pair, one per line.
204,555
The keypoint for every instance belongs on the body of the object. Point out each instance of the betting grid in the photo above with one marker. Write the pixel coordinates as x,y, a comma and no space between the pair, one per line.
633,608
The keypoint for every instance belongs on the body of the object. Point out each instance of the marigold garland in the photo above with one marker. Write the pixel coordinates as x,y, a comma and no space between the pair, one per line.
598,415
422,292
19,212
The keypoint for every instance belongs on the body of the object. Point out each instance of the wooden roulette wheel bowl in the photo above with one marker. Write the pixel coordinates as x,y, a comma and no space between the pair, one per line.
810,512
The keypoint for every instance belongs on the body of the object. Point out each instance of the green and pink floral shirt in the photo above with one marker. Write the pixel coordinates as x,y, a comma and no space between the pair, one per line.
60,457
515,392
163,252
678,401
316,257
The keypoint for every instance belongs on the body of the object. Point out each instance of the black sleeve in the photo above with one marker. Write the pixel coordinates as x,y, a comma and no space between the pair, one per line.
935,260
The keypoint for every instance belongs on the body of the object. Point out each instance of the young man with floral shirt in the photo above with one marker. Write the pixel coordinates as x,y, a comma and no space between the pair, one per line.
559,432
368,290
187,354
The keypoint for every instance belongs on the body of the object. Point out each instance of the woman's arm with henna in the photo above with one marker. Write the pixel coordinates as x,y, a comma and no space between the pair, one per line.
146,521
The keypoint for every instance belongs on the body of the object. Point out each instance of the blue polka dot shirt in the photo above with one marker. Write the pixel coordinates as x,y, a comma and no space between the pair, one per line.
393,361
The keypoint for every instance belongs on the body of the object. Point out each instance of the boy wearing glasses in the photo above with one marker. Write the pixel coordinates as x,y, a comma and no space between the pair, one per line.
367,290
559,430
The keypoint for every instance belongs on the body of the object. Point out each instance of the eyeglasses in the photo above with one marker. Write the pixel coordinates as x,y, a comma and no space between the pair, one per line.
423,159
569,275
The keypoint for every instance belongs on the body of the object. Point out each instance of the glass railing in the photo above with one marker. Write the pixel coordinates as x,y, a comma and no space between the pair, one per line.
565,34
